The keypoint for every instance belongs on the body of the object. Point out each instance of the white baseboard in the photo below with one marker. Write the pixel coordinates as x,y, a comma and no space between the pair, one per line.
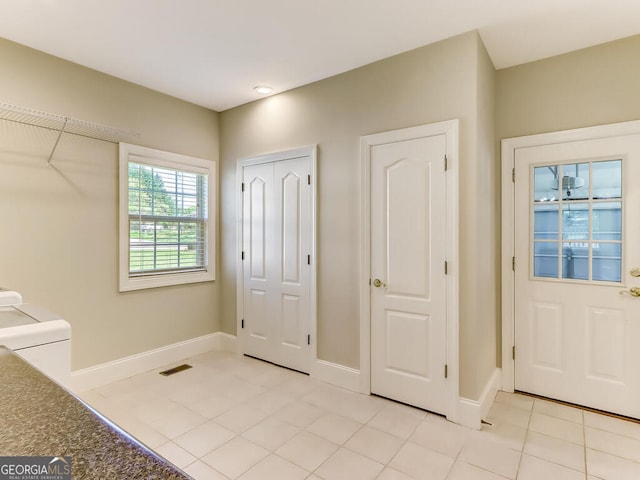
338,375
98,375
471,412
489,393
225,342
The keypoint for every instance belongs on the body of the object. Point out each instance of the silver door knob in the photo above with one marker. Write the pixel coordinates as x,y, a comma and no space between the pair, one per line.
378,283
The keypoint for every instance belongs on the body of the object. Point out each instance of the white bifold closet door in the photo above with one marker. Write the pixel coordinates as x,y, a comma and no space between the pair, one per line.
276,250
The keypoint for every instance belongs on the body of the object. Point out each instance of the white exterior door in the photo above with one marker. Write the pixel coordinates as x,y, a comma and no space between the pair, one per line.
408,282
577,245
277,245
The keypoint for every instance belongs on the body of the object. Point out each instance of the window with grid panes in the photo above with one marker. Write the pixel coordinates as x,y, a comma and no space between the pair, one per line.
166,233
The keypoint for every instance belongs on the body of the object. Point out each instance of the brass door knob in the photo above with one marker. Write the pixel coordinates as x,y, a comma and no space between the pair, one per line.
633,291
378,283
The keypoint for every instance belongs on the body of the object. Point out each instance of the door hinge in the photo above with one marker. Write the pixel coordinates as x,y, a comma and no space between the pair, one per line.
446,163
446,267
242,323
513,174
308,339
242,187
308,259
242,256
308,179
446,371
513,352
513,263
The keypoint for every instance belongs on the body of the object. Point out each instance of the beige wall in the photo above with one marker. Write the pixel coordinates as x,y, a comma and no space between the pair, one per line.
58,245
594,86
447,80
480,241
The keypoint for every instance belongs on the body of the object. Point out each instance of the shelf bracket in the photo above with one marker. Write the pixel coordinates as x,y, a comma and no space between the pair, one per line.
55,146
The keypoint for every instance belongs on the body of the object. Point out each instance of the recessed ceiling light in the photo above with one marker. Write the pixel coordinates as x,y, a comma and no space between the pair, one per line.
263,89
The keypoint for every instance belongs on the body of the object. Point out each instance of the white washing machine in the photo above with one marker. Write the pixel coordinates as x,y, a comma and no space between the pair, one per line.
37,335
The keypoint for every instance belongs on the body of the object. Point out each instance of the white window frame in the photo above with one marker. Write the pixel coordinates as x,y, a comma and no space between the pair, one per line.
153,157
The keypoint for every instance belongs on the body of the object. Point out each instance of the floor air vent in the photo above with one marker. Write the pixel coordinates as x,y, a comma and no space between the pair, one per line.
178,369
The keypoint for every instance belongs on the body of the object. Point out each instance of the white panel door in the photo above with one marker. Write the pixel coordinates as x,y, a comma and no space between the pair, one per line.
277,238
408,297
577,243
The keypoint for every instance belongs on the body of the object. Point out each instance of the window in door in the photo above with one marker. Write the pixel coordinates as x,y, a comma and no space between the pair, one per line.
577,221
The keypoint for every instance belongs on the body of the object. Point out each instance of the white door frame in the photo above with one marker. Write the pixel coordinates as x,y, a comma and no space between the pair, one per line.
450,129
307,151
509,147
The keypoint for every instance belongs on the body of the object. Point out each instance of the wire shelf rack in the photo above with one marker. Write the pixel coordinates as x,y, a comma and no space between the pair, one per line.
62,124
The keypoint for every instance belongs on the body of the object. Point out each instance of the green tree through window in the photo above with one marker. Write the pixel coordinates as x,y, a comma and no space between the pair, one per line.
167,224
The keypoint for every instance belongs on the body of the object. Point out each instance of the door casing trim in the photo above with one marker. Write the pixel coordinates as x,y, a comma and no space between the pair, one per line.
306,151
509,147
448,128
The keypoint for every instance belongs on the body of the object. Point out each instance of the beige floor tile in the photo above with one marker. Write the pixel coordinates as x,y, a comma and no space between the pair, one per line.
391,474
515,400
558,410
503,433
276,468
270,401
201,471
609,467
360,408
241,390
300,413
374,444
176,455
465,471
532,468
307,450
421,463
490,456
334,428
204,438
144,433
235,457
618,445
348,465
271,433
240,418
212,406
555,450
556,427
620,426
396,421
501,412
440,435
176,420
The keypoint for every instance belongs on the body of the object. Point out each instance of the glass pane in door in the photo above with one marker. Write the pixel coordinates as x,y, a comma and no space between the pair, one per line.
545,259
575,181
607,179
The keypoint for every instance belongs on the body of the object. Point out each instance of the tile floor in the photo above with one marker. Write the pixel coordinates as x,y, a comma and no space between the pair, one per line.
232,417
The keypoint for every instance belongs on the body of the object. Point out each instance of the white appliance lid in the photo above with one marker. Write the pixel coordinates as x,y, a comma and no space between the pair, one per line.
10,317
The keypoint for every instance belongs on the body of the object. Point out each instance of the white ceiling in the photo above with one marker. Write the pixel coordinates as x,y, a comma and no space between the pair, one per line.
213,52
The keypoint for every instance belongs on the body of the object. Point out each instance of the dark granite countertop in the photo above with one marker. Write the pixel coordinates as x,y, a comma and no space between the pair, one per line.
40,418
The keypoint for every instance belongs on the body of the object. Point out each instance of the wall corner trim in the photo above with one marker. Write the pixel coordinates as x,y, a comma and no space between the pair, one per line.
98,375
471,412
338,375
